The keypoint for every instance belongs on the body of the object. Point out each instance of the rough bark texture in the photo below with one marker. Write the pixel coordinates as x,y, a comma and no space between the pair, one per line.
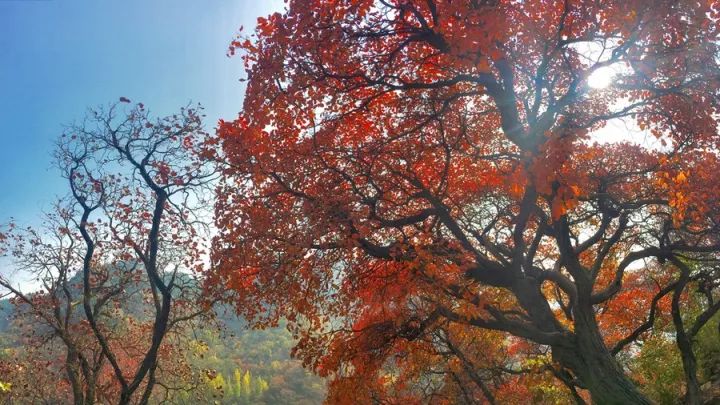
584,352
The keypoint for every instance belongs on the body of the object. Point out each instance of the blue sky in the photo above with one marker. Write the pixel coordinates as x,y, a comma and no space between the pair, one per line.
57,57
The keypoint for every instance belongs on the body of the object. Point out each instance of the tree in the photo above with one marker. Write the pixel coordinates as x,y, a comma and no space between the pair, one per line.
119,261
48,319
403,166
145,177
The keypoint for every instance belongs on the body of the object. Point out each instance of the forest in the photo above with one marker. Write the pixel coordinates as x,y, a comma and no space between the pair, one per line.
418,202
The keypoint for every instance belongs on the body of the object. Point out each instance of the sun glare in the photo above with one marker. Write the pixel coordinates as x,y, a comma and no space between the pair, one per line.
602,77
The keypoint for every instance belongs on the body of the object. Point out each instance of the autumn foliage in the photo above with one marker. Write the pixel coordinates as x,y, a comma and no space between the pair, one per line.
447,211
130,229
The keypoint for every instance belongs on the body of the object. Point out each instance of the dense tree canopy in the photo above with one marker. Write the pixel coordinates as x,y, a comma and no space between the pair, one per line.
431,190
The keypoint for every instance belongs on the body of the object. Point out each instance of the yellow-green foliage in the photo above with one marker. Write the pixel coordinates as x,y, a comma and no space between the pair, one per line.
707,350
659,368
243,388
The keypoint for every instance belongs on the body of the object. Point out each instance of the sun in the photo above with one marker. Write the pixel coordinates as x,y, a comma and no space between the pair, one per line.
602,77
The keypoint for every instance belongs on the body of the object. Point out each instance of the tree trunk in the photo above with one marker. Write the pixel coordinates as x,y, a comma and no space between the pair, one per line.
595,367
584,352
684,344
71,368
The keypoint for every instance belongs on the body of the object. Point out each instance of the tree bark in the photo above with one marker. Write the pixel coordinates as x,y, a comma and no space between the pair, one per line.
71,368
582,352
684,343
595,367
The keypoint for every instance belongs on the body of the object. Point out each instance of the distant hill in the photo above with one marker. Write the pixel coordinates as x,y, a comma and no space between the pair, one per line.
252,366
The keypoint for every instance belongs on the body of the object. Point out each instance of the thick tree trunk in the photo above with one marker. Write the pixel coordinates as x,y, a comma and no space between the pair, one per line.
595,367
584,352
602,376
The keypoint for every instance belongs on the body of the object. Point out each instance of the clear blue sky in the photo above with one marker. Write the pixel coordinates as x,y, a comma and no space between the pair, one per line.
57,57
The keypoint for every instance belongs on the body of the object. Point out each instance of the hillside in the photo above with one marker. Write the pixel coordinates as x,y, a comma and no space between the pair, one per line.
243,366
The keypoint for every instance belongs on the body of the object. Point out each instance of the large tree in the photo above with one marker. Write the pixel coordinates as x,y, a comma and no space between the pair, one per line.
402,168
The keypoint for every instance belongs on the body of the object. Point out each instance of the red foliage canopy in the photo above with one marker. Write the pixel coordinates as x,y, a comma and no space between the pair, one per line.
405,168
